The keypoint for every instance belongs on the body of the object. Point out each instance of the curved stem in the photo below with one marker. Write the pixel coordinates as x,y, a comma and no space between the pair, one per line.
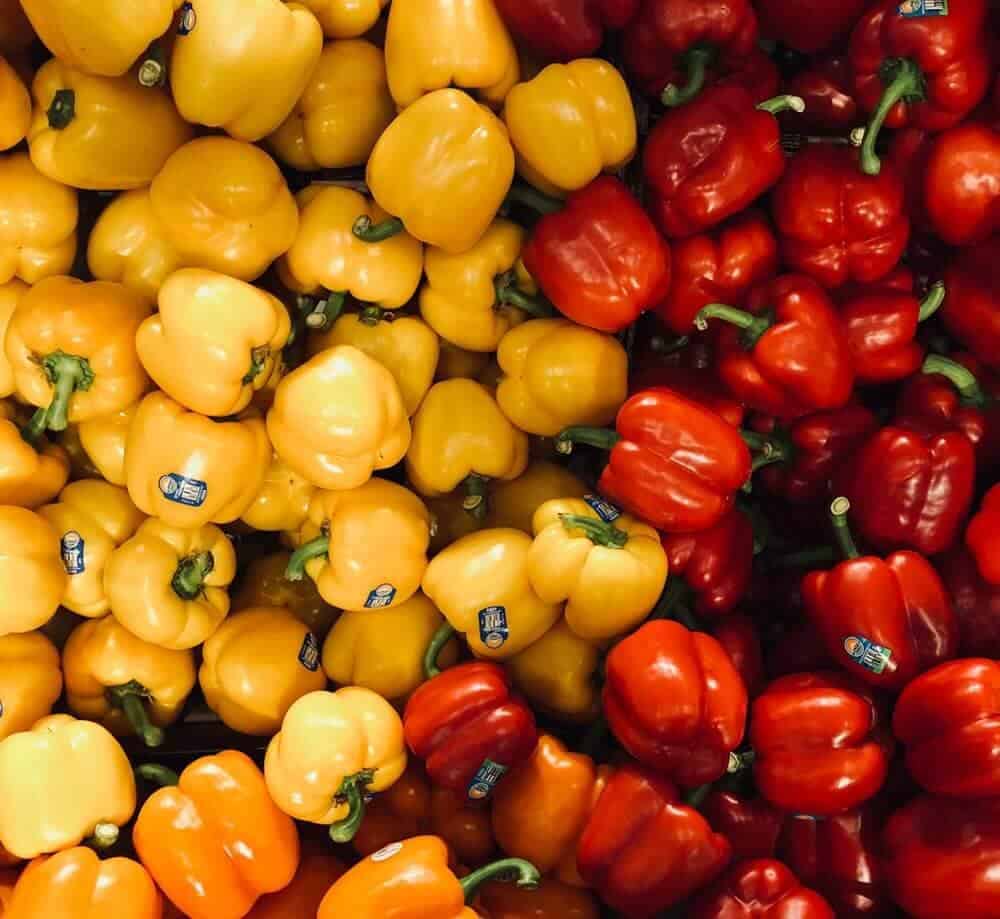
352,792
369,232
62,110
841,528
932,302
603,438
963,379
315,548
753,326
322,314
903,80
157,774
189,578
534,199
597,531
695,62
67,373
527,876
660,345
258,359
130,698
476,496
696,797
508,293
105,835
441,637
785,103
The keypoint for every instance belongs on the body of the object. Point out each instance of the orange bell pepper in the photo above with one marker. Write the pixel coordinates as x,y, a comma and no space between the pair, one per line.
317,871
552,900
212,839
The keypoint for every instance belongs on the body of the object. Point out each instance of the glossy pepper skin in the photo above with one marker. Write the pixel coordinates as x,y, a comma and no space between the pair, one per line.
283,500
32,576
760,888
751,825
818,745
346,18
979,536
103,439
213,840
567,29
15,109
30,680
971,311
32,474
263,583
827,88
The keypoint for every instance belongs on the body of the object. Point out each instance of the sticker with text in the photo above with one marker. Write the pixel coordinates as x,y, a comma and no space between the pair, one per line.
71,548
380,597
493,631
309,652
864,652
387,852
920,9
604,509
485,780
182,490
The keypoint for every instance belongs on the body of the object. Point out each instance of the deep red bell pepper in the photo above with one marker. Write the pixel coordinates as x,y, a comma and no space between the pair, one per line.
751,825
818,742
909,151
808,25
949,721
975,600
643,849
675,702
600,260
971,311
759,889
788,355
982,536
712,158
826,88
673,462
740,640
836,224
699,384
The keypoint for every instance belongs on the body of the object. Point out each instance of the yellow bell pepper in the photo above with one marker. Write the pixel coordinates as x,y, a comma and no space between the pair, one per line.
383,650
37,222
346,18
104,38
101,133
443,167
63,781
557,373
434,44
283,501
263,583
333,749
15,107
127,684
128,245
103,438
213,342
31,473
256,665
327,256
608,567
16,33
30,681
513,503
10,295
342,112
242,64
32,577
338,418
168,586
571,123
480,584
92,518
558,674
405,345
224,205
190,470
459,362
365,547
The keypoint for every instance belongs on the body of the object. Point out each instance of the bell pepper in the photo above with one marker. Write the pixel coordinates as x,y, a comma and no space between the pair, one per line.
980,533
712,158
566,29
125,683
808,25
826,86
550,900
513,502
283,501
32,576
39,218
15,107
333,750
971,310
571,123
751,825
643,849
975,602
460,362
918,66
10,295
346,18
738,635
411,880
698,382
32,474
761,888
818,743
316,872
103,439
64,780
362,425
263,583
212,838
225,206
30,681
168,586
443,168
188,469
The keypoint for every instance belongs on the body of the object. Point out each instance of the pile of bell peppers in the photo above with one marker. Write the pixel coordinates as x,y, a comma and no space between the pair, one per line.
500,459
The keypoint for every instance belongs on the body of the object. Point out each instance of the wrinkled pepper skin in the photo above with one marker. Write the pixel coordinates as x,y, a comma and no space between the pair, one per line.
980,536
550,900
971,311
32,576
31,475
104,438
263,583
15,106
30,681
567,29
346,18
763,888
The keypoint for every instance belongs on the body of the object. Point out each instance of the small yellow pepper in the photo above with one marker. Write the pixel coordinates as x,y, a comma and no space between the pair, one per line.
338,418
333,749
480,584
63,780
571,123
169,586
31,474
191,470
37,222
434,44
32,577
104,438
10,295
557,373
513,503
443,167
346,18
127,684
459,362
242,64
30,681
263,583
256,664
345,108
283,501
15,107
101,133
224,205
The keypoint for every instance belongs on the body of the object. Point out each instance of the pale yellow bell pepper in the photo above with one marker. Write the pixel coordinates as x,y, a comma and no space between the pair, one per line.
37,222
63,781
15,106
10,295
571,123
342,112
31,474
332,750
32,577
30,681
104,438
346,18
480,584
263,583
224,205
443,167
256,665
283,501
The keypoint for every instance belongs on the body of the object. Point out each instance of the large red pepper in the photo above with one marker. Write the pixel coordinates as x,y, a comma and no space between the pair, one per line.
975,600
699,384
808,25
643,849
740,640
909,151
825,87
971,310
836,224
674,700
982,536
599,259
751,825
759,889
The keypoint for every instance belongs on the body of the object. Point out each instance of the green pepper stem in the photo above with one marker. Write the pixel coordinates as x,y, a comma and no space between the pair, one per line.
105,835
740,762
373,315
322,314
258,359
602,438
369,232
153,69
62,110
533,198
441,637
509,294
67,373
696,796
527,876
767,449
903,80
753,326
695,62
597,531
315,548
352,792
476,501
841,528
785,103
157,774
130,698
932,302
963,379
660,345
189,578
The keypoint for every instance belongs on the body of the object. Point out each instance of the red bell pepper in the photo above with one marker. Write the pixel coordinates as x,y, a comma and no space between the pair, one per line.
642,849
818,744
562,30
971,310
909,151
808,25
673,462
976,603
759,889
675,702
719,267
739,639
712,158
699,384
826,88
836,224
599,259
788,355
751,825
982,536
